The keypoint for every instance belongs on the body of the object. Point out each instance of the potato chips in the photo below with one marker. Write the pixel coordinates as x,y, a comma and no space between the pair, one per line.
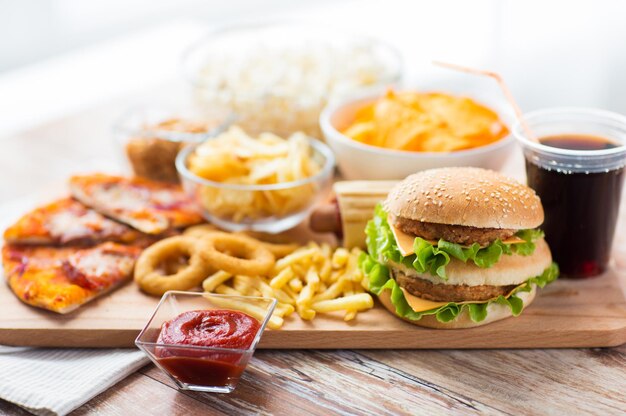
426,122
236,158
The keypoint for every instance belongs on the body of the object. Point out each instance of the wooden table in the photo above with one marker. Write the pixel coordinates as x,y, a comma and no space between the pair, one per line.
589,381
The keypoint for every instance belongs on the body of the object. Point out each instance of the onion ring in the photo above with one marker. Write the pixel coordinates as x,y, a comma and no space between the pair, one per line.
155,282
280,250
236,254
276,243
199,231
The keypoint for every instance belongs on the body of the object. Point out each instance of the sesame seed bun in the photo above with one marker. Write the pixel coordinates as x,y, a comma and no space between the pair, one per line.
465,196
495,312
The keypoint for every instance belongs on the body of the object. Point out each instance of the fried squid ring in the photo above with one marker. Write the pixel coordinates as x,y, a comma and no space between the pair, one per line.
236,254
171,264
280,250
274,243
199,231
277,249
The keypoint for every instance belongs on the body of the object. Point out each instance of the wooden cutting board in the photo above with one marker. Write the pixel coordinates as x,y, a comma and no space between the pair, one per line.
586,313
589,313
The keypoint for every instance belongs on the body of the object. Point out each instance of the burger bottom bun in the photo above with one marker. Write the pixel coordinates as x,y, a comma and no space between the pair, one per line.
495,312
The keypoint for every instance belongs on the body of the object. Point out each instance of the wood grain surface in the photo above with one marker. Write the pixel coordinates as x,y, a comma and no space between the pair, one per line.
524,382
386,382
586,313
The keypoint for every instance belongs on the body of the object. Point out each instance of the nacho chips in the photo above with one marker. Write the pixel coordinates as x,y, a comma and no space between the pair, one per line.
426,122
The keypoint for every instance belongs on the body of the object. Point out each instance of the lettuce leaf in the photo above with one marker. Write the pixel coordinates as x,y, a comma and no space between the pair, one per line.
433,259
527,248
379,280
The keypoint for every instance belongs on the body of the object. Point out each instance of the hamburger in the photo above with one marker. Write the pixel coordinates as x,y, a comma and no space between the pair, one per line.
457,248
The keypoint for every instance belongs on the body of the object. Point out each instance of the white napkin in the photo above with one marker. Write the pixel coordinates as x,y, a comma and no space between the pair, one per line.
49,381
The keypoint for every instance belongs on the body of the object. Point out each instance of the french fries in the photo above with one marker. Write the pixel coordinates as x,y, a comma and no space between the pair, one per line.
312,279
216,279
358,302
282,278
275,321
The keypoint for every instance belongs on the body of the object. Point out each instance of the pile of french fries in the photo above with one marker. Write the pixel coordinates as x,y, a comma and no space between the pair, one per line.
313,279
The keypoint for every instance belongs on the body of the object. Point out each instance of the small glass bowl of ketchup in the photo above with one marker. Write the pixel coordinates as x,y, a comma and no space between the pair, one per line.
204,341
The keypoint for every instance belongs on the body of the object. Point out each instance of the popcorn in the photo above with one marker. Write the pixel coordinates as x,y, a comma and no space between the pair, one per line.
283,90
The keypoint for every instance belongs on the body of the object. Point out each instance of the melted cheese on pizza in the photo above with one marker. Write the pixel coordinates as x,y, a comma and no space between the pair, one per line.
69,226
151,207
67,221
93,269
62,279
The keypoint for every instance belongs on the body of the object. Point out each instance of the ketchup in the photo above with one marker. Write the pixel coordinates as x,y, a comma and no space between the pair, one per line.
224,329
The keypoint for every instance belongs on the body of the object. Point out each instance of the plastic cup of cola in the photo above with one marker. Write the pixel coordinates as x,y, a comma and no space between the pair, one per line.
575,163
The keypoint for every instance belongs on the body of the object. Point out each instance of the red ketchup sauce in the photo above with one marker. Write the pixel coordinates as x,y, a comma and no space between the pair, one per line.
207,328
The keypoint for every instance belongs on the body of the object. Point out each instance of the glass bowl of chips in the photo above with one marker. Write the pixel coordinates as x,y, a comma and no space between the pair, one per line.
278,75
261,183
385,134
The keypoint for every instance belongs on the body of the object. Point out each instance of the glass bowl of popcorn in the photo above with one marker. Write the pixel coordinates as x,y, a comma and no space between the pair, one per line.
259,182
278,76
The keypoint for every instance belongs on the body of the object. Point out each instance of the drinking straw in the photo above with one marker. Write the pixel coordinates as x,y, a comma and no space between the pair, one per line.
505,90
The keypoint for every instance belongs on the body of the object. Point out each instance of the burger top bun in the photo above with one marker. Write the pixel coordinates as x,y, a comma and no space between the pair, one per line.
495,312
471,197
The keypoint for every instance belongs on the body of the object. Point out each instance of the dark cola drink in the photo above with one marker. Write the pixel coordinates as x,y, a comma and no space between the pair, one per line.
581,208
575,162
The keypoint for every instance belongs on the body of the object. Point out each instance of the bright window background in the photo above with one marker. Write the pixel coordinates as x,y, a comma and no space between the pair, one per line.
57,56
37,29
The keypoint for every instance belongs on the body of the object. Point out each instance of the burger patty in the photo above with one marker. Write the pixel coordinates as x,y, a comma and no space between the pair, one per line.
459,234
448,293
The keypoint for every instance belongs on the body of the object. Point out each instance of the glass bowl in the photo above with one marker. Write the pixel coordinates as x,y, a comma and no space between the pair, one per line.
221,203
278,76
198,368
151,137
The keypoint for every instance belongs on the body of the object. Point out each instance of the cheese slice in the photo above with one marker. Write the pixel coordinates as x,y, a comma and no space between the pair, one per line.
405,241
422,305
514,240
419,304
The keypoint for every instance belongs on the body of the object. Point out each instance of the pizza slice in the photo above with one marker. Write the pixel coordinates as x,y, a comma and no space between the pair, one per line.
150,207
62,279
68,222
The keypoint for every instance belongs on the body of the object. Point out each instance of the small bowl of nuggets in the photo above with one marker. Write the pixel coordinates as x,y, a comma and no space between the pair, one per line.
261,183
397,133
153,136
